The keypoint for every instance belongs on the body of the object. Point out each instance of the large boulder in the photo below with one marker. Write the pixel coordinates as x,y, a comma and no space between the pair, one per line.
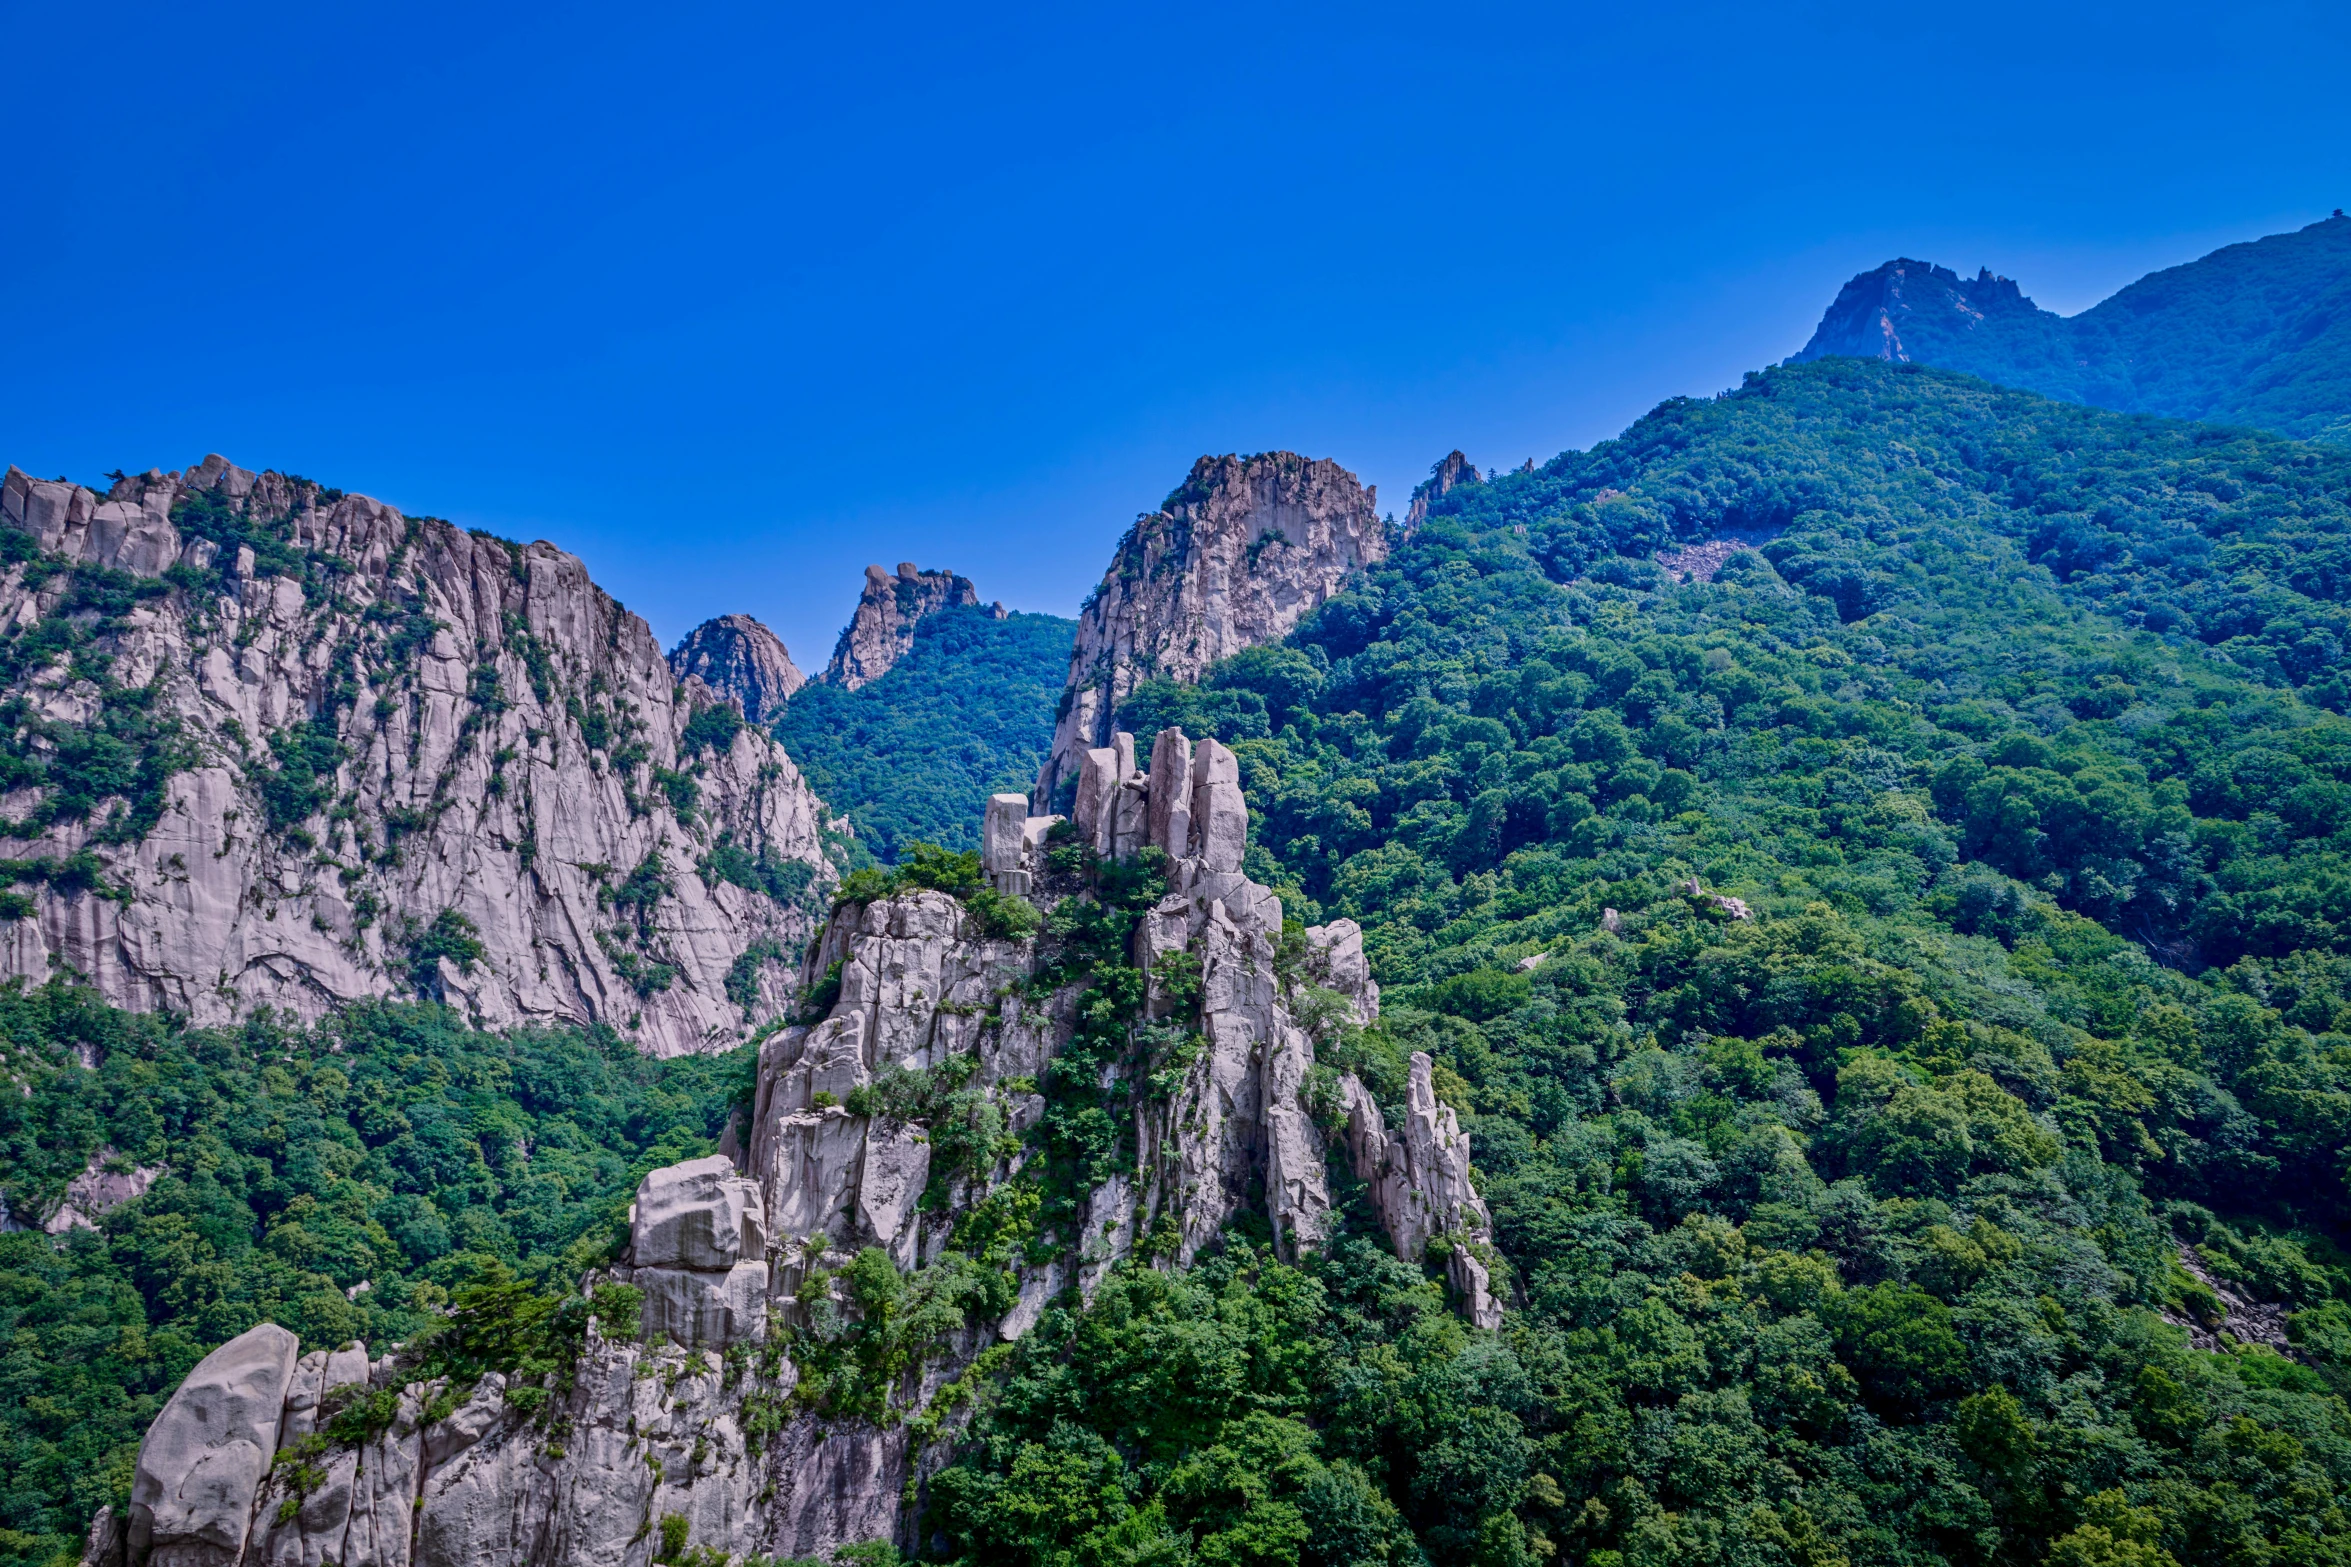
204,1458
699,1214
698,1238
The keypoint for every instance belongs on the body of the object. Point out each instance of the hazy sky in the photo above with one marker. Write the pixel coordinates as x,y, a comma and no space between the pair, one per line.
733,301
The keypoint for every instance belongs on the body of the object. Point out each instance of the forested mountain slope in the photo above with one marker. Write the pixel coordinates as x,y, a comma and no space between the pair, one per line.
2258,334
1866,970
340,1180
1864,856
965,712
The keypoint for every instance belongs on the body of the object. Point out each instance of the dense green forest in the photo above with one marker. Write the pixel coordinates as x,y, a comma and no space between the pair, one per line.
2258,333
967,713
1847,1232
342,1181
1883,1218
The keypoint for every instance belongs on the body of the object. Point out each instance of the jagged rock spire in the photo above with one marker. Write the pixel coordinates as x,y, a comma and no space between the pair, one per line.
655,1422
881,632
1242,551
1451,470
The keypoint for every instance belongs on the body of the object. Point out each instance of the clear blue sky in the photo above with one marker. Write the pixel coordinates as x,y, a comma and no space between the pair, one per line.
732,301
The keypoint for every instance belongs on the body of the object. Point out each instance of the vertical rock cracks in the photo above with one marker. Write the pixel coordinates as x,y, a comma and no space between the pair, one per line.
1242,551
902,1155
376,755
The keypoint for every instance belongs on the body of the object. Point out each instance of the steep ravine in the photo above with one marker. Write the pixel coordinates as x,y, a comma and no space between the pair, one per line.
273,744
719,1426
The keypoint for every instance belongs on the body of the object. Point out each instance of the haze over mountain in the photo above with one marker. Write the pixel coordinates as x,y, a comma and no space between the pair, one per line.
2258,333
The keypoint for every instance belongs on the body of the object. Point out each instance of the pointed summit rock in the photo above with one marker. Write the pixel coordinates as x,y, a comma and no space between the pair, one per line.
1914,312
882,630
737,656
1454,469
1238,555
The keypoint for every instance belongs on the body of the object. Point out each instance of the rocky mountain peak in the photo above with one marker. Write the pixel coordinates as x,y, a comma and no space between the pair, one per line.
735,1257
1242,551
1908,310
1453,469
394,758
882,630
738,657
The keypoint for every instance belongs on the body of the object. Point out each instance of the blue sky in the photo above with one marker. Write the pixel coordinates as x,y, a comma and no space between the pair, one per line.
733,301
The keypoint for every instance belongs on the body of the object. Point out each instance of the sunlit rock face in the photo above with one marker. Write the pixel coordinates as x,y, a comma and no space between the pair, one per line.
881,631
901,1104
363,754
1242,551
737,657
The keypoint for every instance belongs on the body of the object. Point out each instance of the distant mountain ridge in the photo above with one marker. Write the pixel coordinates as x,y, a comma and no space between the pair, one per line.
2257,333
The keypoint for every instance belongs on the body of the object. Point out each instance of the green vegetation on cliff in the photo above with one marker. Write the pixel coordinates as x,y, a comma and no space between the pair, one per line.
344,1181
1898,993
968,713
1875,1227
2258,334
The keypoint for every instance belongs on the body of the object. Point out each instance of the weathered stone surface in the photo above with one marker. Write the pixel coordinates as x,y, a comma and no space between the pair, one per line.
897,1163
201,1465
881,632
1335,962
1171,793
656,1426
1237,556
98,1191
738,657
317,1375
1095,808
1130,819
1004,835
1472,1287
699,1214
1419,1179
498,766
696,1307
1220,816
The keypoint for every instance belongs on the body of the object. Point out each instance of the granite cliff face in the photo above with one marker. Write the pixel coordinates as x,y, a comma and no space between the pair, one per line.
271,744
882,630
1238,555
738,657
715,1411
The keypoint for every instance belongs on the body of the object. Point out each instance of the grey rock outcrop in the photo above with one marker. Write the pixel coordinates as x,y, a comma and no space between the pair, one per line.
881,632
699,1417
1335,962
738,657
99,1190
395,739
1236,557
203,1458
698,1249
1451,470
1418,1174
